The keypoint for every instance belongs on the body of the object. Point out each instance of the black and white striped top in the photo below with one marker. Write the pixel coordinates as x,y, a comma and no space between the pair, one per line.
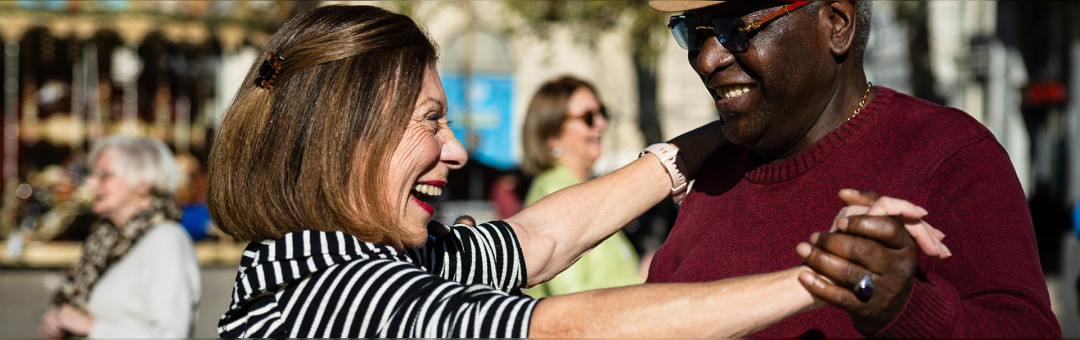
329,284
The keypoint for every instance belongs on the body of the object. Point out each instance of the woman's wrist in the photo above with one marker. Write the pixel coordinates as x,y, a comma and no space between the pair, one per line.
668,155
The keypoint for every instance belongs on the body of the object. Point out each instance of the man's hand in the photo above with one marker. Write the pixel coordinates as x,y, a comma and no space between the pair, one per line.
870,203
876,243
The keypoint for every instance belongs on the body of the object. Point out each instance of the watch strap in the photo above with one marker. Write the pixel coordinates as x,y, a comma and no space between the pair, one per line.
669,156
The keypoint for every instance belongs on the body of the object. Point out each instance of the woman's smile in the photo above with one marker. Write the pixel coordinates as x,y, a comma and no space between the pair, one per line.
426,191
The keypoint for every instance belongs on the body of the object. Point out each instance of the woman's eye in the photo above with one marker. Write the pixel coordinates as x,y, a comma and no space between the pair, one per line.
440,126
433,123
437,119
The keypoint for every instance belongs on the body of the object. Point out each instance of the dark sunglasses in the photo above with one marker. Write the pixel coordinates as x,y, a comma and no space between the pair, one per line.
732,32
590,116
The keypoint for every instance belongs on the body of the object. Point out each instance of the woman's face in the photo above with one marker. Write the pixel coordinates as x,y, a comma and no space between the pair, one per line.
113,197
422,159
581,143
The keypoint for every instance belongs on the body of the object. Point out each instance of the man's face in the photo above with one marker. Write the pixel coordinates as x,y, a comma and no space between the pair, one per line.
770,95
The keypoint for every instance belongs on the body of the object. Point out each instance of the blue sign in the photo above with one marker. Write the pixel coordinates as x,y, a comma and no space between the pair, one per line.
482,118
49,5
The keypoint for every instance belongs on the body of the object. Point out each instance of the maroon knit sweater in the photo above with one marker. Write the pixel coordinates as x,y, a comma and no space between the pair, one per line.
743,217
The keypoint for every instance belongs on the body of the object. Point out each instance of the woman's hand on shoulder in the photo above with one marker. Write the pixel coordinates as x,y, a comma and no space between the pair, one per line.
697,144
50,325
466,220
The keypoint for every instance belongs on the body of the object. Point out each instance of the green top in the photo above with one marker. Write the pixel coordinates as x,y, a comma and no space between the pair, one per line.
612,263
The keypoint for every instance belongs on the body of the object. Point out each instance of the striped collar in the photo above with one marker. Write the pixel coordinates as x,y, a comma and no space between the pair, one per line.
269,264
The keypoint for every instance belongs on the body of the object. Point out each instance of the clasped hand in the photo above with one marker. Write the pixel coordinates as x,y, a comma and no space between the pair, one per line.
875,236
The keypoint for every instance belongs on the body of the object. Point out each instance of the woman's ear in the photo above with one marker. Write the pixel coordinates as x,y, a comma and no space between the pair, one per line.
143,189
553,142
555,146
840,18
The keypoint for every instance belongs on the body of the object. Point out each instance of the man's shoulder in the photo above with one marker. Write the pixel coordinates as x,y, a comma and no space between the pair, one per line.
916,118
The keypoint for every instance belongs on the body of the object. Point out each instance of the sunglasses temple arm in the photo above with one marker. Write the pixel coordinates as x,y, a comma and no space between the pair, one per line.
772,16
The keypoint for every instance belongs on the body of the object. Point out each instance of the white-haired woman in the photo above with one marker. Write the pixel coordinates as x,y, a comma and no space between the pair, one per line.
138,276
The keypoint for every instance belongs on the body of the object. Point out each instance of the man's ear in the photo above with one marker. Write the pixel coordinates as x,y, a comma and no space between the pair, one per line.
840,16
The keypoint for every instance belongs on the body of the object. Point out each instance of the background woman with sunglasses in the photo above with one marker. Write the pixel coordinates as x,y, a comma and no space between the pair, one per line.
562,138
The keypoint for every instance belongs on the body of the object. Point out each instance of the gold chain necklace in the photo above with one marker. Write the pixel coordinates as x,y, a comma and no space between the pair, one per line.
862,102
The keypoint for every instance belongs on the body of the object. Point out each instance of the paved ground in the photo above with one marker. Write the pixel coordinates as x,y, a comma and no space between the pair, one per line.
25,292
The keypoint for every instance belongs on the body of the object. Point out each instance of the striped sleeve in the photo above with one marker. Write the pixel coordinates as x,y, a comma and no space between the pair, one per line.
386,298
327,284
487,254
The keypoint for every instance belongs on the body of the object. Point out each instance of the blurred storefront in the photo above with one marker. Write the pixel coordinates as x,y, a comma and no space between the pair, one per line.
73,71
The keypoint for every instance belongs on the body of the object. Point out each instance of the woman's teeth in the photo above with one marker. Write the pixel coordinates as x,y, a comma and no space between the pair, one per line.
428,189
733,91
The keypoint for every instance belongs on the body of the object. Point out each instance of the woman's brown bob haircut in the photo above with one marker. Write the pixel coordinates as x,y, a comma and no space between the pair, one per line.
311,151
544,119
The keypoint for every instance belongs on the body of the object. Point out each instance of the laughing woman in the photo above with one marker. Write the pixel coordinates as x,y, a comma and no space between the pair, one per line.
327,160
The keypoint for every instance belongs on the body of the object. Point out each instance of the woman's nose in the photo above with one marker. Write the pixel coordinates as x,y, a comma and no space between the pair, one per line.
601,121
453,153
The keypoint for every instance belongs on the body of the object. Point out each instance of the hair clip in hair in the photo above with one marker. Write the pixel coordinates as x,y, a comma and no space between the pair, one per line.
269,71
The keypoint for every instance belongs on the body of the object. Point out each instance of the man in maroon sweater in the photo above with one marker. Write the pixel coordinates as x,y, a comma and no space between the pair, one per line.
803,123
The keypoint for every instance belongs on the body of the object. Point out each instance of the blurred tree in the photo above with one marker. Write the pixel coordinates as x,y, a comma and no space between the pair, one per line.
405,7
914,14
591,18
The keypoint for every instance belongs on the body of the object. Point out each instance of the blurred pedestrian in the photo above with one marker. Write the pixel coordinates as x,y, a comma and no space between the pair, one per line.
562,138
138,276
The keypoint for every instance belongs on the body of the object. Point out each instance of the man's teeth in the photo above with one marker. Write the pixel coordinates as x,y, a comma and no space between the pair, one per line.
733,91
428,189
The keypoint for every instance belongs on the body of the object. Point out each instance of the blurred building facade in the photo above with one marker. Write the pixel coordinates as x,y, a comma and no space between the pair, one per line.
75,70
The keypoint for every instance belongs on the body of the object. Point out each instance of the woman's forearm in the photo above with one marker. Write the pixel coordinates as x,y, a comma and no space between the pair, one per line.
556,230
727,308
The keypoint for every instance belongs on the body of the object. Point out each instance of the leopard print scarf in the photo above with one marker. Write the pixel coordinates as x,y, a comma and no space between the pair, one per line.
108,244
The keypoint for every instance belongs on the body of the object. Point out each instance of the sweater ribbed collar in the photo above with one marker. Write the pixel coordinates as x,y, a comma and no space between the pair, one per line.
842,137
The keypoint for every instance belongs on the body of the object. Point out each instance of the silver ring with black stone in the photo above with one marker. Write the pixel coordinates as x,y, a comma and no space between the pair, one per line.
864,289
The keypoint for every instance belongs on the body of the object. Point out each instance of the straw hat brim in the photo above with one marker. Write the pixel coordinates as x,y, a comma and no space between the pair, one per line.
679,6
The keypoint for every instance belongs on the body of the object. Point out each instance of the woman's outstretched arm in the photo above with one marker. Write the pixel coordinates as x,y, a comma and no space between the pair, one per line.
556,230
727,308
